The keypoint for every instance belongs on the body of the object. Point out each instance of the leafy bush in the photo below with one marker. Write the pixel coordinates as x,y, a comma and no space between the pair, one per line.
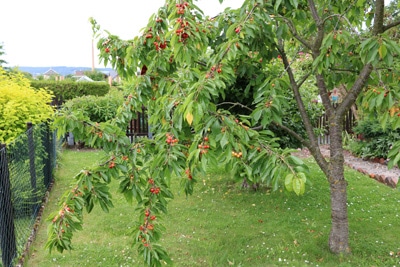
97,109
243,91
374,141
66,90
96,75
19,104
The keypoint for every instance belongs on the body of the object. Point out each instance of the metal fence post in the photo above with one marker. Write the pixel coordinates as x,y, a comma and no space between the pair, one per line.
7,230
31,154
47,160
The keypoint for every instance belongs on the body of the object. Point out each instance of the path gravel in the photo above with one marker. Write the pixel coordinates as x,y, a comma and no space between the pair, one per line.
377,171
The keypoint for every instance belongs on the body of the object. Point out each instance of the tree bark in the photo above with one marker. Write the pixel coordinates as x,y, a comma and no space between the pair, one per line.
339,235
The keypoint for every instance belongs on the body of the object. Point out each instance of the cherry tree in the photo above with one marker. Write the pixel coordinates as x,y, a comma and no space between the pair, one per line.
184,63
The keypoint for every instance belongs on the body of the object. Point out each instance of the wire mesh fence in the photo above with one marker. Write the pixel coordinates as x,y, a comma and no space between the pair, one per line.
26,168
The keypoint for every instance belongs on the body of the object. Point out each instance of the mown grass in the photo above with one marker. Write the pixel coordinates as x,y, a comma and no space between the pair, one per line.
224,225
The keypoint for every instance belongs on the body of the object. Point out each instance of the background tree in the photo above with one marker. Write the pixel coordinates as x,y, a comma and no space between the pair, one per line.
96,75
2,61
187,63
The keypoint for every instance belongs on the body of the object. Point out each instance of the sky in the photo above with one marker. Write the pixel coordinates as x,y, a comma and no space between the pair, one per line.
49,33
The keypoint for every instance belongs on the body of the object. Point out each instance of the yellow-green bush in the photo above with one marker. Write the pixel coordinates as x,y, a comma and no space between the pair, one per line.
19,104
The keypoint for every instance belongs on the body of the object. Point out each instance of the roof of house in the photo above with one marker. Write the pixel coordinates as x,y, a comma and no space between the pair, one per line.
50,72
79,73
84,79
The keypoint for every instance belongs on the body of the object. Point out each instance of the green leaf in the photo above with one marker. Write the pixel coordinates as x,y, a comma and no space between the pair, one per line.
288,182
296,160
298,186
277,4
382,51
224,140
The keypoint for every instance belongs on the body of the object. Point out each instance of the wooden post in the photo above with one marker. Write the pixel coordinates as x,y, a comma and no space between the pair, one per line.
7,230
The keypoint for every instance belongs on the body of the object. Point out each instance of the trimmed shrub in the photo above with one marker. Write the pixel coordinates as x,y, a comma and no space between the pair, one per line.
19,104
66,90
97,109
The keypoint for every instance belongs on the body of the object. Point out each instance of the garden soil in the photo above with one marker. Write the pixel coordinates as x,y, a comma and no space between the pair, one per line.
375,170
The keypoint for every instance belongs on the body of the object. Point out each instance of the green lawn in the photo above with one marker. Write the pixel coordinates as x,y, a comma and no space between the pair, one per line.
223,225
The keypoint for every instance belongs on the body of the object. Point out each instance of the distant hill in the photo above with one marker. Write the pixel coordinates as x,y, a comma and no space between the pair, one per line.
62,70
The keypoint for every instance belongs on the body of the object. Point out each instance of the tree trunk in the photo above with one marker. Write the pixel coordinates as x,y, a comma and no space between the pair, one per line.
339,235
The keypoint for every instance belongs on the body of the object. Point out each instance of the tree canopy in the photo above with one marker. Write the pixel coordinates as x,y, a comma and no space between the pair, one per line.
182,68
2,61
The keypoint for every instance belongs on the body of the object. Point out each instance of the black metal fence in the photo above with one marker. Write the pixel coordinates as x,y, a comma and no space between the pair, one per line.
26,172
322,123
139,126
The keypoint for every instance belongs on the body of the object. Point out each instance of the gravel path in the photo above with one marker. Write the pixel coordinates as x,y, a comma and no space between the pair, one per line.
377,171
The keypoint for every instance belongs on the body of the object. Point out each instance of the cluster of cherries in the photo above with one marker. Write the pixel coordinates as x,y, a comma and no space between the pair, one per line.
184,30
146,226
188,174
171,140
204,146
212,71
111,164
154,189
237,154
268,103
181,8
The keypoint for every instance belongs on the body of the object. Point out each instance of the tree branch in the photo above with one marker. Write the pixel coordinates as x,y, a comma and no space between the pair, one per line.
305,142
391,25
320,29
363,77
378,17
344,70
235,104
313,142
316,52
295,33
314,13
300,83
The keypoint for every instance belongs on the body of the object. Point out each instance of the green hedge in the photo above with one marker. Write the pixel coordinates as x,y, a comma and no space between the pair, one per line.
66,90
97,109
